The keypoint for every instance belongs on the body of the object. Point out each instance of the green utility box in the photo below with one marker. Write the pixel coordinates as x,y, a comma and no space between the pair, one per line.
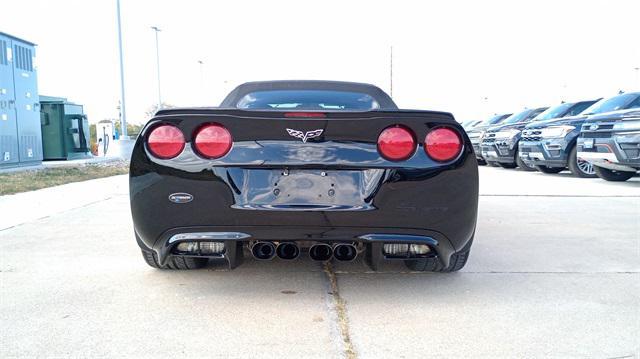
65,129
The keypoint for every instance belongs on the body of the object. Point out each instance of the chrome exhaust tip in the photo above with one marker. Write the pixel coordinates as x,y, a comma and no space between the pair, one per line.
320,252
345,252
263,250
287,250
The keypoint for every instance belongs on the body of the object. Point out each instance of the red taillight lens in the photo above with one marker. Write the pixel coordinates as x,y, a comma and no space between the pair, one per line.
165,141
443,144
396,143
213,141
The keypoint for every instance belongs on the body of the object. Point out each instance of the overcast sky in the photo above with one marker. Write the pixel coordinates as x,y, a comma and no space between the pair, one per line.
447,55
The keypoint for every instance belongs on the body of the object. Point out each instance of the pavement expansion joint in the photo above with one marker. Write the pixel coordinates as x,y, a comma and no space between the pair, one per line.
341,311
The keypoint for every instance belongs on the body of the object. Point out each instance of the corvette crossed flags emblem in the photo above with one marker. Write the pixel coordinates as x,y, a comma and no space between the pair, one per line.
304,136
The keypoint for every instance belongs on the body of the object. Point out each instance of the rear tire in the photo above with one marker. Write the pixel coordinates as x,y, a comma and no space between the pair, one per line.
550,170
580,168
457,262
614,176
174,262
507,165
523,166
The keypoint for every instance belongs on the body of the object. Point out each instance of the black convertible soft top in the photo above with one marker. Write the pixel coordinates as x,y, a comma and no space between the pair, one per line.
385,102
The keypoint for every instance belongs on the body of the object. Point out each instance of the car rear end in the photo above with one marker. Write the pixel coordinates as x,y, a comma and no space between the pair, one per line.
387,185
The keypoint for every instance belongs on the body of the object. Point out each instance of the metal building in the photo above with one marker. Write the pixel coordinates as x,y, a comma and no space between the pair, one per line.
20,133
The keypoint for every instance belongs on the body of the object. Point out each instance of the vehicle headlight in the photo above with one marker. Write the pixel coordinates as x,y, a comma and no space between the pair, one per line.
556,131
506,135
627,125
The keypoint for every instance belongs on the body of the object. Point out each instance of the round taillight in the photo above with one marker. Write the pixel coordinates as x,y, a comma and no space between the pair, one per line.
213,141
396,143
443,144
165,141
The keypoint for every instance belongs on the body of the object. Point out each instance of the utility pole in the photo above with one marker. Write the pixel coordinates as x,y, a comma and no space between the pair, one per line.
157,30
391,74
123,117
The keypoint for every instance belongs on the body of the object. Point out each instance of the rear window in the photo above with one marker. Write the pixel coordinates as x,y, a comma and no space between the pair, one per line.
307,100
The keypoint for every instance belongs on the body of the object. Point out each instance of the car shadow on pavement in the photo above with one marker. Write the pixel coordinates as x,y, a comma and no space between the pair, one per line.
265,279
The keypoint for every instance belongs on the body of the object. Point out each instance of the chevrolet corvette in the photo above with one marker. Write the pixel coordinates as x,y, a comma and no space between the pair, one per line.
329,170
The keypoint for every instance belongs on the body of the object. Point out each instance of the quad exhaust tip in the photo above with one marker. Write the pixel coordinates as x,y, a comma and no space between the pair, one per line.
345,252
287,250
263,250
321,252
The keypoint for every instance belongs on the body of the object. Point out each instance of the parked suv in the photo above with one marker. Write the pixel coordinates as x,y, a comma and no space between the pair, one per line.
550,146
611,140
500,143
476,132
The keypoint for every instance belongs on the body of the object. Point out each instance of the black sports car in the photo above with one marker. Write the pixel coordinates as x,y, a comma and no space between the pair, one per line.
332,169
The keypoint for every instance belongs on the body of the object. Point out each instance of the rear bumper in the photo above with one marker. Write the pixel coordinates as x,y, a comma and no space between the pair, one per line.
236,237
438,203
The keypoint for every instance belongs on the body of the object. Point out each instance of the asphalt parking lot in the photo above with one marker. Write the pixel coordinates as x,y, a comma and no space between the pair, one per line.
554,272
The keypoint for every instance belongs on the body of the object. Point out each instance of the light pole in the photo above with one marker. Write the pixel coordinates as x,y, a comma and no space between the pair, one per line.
391,72
157,30
637,77
485,102
123,117
202,95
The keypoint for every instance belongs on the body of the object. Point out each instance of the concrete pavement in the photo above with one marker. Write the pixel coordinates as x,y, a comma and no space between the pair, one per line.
26,207
554,272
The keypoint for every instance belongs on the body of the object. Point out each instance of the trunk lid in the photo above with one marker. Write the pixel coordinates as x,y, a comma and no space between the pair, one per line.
269,139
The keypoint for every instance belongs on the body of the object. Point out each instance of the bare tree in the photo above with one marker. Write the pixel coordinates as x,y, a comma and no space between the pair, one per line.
155,108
